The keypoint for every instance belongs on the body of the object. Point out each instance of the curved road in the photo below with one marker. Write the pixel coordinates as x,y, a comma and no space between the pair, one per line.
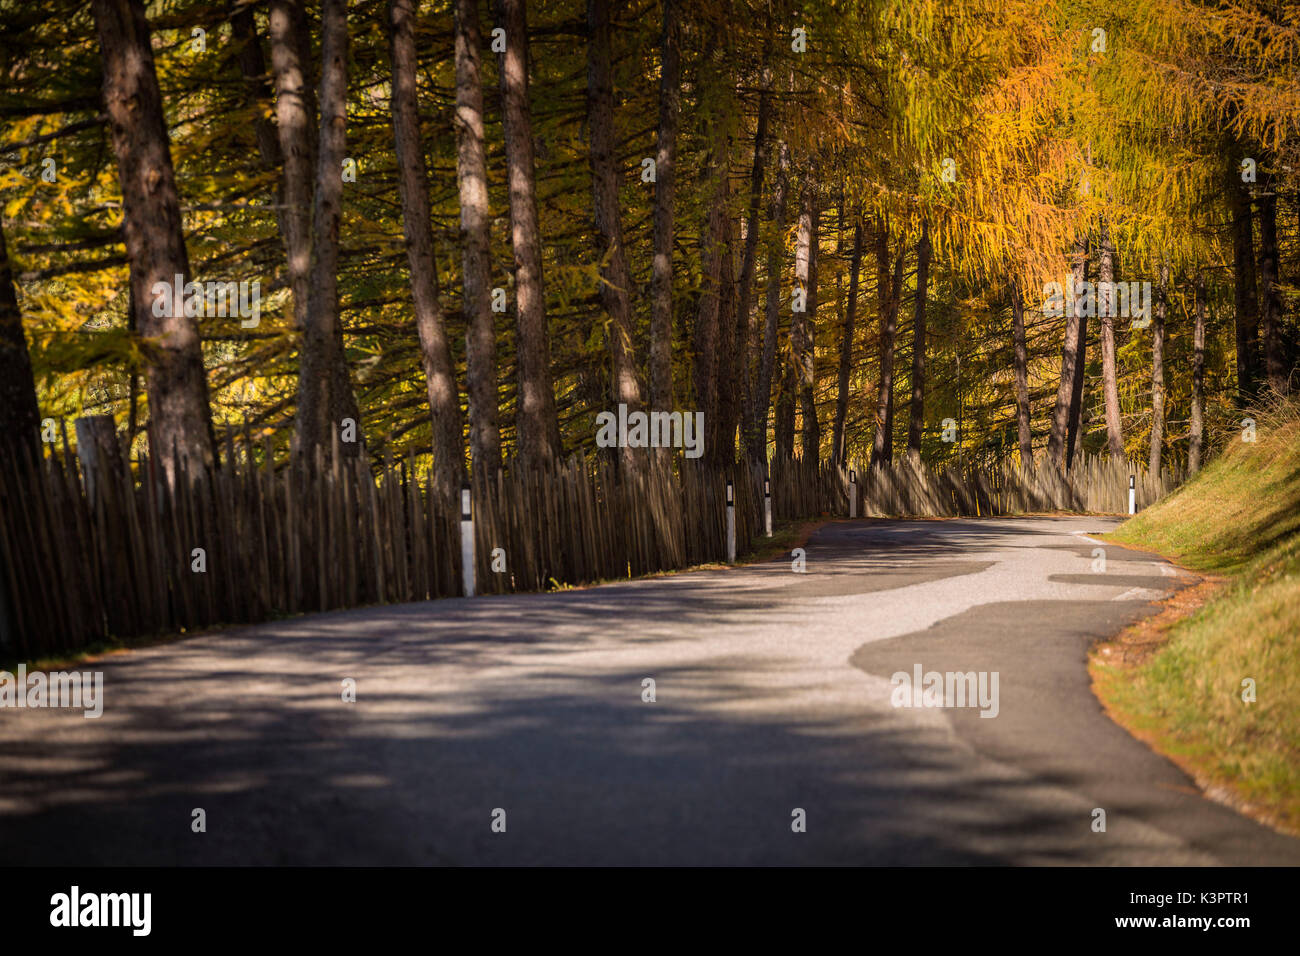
772,694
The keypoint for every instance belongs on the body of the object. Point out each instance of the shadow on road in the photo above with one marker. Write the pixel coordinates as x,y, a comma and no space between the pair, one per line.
468,706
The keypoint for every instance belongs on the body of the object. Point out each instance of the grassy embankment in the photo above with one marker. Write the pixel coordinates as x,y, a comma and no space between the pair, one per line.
1177,680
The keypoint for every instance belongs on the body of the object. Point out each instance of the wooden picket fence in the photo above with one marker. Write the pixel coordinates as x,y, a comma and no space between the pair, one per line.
1094,484
113,551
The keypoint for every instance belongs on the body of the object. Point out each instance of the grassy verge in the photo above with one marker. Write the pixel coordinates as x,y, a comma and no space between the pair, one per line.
1177,681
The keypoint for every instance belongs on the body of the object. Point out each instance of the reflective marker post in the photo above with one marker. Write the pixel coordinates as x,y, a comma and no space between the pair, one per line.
767,506
731,523
466,540
853,493
1132,496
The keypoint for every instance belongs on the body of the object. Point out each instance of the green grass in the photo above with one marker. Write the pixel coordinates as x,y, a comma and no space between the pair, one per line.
1238,520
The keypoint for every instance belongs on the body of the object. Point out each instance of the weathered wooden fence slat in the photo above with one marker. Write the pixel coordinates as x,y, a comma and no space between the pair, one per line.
112,556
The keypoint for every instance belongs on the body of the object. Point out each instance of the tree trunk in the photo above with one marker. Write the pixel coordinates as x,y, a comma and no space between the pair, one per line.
1065,407
754,440
294,224
803,324
1023,430
1109,374
718,373
783,420
1074,433
890,403
761,397
882,449
295,114
709,357
731,367
1159,314
536,423
840,445
325,397
661,283
180,418
1269,300
1196,436
615,280
252,66
20,415
413,187
916,419
1245,306
475,221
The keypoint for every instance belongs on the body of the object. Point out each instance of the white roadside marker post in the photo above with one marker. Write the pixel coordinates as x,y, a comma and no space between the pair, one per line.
767,506
466,540
731,523
853,493
1132,496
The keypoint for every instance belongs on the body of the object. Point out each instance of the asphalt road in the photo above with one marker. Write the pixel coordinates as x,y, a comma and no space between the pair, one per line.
772,694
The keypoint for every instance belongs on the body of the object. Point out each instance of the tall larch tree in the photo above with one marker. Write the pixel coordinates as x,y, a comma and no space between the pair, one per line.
1071,364
295,123
916,419
708,334
749,338
1106,305
180,417
1245,305
1159,313
1270,299
615,279
538,435
1020,358
475,221
839,450
890,294
761,397
1196,427
326,401
802,321
413,188
661,283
